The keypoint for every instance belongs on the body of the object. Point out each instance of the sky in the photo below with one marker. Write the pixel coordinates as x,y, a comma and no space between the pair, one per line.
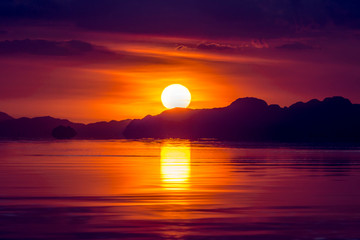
88,61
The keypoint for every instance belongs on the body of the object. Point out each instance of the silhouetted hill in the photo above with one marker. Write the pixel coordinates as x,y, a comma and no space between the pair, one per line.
102,130
4,116
42,127
63,132
334,119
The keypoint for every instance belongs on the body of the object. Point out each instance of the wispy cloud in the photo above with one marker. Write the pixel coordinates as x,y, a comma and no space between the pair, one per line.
295,46
46,47
225,47
196,18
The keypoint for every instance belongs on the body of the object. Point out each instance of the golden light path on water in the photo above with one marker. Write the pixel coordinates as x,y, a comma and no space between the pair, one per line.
176,189
175,166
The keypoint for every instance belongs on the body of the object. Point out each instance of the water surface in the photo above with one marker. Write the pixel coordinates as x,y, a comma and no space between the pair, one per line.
177,189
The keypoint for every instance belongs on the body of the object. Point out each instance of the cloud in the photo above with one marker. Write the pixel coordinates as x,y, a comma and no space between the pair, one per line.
295,46
209,46
216,46
213,46
259,43
75,53
202,18
45,47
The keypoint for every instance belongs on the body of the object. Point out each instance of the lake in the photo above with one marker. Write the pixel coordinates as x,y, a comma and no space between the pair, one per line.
177,189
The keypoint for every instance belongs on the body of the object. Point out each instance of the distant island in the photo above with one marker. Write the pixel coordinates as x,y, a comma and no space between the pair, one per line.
334,119
51,128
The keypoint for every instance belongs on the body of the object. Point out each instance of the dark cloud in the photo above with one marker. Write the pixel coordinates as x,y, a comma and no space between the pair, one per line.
45,47
259,44
224,47
31,9
209,47
79,51
216,18
216,46
295,46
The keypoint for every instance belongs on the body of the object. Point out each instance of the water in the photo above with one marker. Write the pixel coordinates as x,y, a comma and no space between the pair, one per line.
177,190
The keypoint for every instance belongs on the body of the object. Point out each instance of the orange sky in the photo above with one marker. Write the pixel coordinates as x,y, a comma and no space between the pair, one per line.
124,75
90,61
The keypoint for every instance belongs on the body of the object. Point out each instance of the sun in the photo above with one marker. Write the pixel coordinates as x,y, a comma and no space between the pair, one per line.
176,95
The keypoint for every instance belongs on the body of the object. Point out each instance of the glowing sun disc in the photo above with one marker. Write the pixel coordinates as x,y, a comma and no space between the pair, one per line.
176,95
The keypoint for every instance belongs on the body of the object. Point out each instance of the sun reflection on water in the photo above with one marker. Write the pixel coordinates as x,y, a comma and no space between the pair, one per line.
175,165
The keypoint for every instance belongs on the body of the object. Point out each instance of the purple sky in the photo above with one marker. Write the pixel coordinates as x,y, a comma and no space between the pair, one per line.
102,60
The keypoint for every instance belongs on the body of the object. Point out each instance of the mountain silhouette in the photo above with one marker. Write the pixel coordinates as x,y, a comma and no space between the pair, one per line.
4,116
42,127
62,132
334,119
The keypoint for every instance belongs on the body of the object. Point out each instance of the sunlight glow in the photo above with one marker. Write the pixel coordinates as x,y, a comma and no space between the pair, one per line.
175,166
